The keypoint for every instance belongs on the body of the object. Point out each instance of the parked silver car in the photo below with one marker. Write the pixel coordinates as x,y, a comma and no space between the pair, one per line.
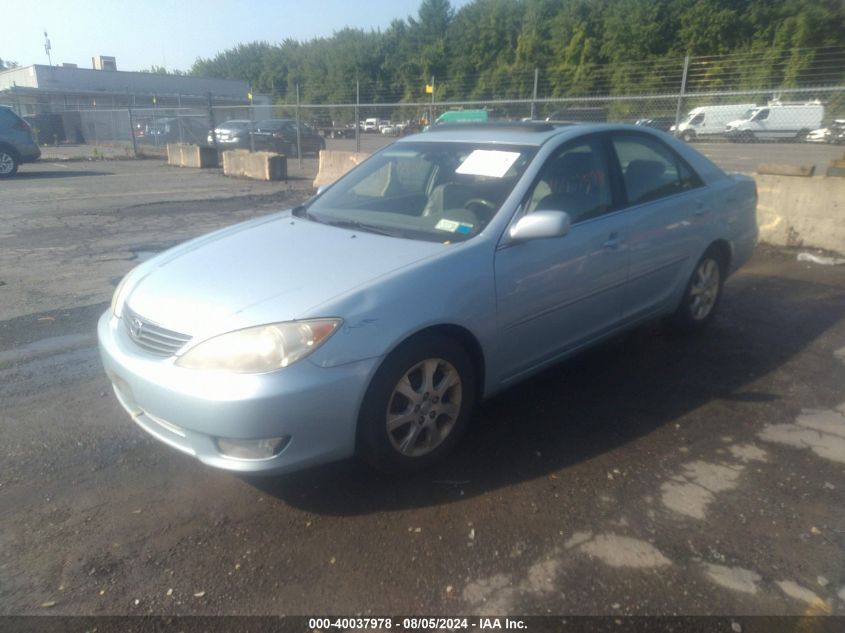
443,269
16,143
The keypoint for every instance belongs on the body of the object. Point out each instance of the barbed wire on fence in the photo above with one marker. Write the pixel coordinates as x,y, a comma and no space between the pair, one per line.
644,89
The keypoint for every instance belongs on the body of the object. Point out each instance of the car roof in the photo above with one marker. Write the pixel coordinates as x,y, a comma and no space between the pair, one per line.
530,133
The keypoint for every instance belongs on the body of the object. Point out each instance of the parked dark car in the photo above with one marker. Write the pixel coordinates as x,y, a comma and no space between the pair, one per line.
658,123
185,129
279,135
233,134
16,143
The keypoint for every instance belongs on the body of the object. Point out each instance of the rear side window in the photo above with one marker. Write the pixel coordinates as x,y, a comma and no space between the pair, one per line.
7,117
651,170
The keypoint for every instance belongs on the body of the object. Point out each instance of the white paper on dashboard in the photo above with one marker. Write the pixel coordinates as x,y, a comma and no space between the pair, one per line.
487,162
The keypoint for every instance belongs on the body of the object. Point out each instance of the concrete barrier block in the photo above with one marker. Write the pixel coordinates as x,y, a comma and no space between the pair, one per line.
837,163
779,169
187,155
333,164
199,156
257,165
808,212
836,172
174,154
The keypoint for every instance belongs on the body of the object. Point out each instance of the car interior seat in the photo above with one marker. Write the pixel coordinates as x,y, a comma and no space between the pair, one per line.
572,181
642,177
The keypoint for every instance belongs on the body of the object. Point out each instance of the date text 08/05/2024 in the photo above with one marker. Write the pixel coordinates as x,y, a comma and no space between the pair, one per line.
413,624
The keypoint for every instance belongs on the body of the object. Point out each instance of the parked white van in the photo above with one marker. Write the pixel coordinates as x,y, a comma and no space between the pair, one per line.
777,121
710,120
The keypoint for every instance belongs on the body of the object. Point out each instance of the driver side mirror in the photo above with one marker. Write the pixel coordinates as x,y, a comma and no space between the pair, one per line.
539,225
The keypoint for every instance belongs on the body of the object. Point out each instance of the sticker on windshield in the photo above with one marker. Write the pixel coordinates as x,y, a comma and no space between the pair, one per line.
462,228
487,162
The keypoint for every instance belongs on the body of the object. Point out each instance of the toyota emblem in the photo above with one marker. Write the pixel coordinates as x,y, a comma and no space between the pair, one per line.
135,327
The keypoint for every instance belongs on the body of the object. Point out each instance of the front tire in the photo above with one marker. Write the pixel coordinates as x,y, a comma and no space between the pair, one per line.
687,136
8,163
417,406
702,293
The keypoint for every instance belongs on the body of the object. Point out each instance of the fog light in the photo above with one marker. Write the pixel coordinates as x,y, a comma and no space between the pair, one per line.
251,449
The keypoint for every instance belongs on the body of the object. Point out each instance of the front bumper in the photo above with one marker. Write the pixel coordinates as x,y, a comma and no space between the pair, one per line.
314,408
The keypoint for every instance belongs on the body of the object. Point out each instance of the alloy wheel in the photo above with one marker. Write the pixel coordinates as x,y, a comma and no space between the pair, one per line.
424,407
7,163
704,289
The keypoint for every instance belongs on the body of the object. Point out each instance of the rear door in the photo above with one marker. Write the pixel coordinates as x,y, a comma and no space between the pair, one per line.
667,204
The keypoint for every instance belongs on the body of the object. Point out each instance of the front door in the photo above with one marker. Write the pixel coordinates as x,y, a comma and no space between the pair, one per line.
558,293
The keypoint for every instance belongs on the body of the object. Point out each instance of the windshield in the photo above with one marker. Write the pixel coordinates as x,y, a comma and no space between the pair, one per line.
273,124
234,124
444,192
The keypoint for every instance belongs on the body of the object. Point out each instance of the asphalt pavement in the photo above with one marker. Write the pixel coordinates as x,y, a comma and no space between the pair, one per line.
656,474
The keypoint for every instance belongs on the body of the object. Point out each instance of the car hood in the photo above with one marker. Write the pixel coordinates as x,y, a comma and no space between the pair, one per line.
264,272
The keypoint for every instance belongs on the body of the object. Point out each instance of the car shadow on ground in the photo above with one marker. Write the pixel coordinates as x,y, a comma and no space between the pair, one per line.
40,175
596,402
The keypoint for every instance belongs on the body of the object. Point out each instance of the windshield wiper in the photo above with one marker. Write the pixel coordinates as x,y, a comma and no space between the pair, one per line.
362,226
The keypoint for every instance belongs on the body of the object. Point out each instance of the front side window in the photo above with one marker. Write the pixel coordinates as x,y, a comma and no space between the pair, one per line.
650,170
438,191
698,119
761,115
574,180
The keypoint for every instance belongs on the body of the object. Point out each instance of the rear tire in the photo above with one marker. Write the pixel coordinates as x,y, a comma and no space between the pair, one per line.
417,405
8,163
702,293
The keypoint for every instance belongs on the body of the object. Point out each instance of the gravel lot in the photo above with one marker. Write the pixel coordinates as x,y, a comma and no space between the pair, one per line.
654,474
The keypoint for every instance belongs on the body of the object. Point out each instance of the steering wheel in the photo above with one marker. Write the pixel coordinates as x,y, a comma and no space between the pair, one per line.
490,206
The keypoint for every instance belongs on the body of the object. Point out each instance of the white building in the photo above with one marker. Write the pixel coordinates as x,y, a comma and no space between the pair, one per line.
41,89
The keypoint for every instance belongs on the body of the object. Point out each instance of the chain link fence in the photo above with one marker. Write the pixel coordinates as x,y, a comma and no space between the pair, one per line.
762,96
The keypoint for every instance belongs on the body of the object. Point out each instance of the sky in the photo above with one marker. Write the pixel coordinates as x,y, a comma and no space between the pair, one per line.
174,33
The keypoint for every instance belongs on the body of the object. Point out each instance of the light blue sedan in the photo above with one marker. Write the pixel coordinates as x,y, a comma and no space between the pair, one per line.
443,269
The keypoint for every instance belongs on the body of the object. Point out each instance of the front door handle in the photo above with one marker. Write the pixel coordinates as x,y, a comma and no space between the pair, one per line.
700,208
612,241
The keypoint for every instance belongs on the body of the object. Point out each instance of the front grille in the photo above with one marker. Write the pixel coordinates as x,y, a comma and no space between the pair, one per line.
151,336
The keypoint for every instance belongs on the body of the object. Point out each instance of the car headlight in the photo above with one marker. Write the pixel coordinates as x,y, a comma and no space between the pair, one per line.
119,298
260,349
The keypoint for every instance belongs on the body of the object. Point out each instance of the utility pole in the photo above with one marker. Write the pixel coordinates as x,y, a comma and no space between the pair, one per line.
681,94
131,125
298,132
48,48
251,122
357,122
179,116
431,120
213,124
534,97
